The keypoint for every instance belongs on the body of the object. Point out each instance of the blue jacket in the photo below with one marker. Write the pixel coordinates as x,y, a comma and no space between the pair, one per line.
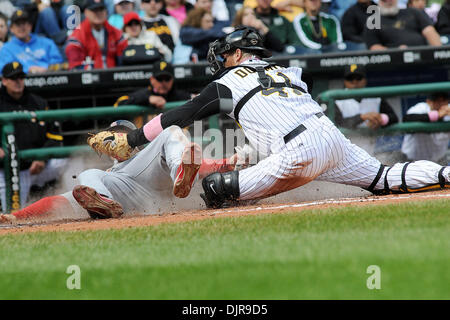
199,39
39,51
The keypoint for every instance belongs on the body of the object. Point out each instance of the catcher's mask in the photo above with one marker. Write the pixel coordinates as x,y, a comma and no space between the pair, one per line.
244,38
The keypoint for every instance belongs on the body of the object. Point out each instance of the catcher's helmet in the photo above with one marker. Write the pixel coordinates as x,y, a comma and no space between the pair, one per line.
245,38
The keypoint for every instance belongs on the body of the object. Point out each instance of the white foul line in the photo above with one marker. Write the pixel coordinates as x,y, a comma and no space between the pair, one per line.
331,201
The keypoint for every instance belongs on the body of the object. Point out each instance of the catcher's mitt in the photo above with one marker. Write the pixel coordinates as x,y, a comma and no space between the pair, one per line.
112,143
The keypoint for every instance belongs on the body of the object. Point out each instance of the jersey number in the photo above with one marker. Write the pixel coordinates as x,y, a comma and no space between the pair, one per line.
280,91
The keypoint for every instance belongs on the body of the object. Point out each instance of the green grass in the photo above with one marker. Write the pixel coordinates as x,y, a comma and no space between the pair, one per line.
320,254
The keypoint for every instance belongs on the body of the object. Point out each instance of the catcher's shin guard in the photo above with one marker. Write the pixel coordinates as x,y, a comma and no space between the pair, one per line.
220,187
411,177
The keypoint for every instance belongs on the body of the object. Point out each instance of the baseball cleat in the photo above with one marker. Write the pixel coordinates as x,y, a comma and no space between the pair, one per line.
7,218
96,204
191,161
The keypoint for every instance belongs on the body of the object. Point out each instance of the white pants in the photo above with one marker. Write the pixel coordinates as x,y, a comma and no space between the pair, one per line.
323,153
52,171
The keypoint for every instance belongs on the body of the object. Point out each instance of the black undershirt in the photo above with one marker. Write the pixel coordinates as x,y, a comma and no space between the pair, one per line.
214,99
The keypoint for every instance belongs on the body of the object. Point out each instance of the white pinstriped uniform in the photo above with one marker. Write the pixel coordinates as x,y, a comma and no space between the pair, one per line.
320,152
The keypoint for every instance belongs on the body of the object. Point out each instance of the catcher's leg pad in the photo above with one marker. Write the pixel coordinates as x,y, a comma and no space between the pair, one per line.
220,187
416,176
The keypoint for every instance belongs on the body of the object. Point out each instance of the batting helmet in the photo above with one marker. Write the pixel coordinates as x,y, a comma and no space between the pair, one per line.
245,38
121,126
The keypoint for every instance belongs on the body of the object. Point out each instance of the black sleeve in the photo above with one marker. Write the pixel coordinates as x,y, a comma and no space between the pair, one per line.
371,37
350,122
443,21
423,20
51,132
212,100
215,98
387,109
139,97
179,95
348,24
421,117
53,135
272,42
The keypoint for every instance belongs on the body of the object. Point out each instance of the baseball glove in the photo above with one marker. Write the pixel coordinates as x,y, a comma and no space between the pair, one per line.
112,143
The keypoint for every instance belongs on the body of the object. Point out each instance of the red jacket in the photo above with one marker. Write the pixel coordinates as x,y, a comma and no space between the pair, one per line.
82,43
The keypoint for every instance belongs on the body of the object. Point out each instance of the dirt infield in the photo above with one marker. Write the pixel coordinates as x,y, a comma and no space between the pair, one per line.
192,215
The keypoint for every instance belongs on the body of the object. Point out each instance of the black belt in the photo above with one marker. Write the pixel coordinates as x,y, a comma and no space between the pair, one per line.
291,135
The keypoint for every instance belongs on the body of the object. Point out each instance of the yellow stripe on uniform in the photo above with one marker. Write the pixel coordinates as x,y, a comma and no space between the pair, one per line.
122,98
427,188
56,137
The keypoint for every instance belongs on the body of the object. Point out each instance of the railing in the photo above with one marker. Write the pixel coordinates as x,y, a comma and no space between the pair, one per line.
329,97
13,156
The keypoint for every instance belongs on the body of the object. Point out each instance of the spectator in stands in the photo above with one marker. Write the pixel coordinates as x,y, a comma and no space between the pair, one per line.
3,29
198,31
354,22
422,5
121,8
276,23
246,17
233,6
286,8
401,28
208,5
428,146
52,20
34,52
443,20
370,113
317,30
160,91
166,27
95,38
178,9
367,112
136,34
28,134
417,4
218,8
337,8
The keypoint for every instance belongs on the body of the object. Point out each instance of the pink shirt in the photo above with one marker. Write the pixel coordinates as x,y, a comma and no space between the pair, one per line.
179,14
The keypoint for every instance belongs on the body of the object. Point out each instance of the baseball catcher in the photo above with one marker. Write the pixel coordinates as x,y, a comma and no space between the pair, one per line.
273,107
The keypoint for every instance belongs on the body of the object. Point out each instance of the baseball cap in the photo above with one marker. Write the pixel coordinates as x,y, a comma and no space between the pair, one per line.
119,1
13,70
95,4
161,68
20,15
354,69
130,16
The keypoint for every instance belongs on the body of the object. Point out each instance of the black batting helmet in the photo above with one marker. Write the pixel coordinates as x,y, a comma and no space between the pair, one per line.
245,38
